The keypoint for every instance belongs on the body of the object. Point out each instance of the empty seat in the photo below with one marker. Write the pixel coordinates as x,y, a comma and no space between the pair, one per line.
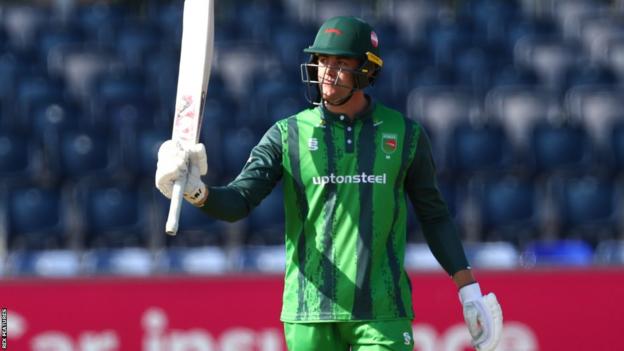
616,151
492,255
518,108
237,145
596,30
195,228
112,214
569,13
135,40
507,207
550,57
46,263
54,36
18,156
597,107
587,207
440,109
81,154
478,149
36,217
610,252
265,259
557,253
79,65
557,148
133,261
196,260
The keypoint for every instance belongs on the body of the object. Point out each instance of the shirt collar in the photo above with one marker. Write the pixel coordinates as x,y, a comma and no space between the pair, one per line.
363,115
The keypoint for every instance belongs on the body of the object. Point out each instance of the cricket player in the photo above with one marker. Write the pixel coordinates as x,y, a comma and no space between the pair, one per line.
348,164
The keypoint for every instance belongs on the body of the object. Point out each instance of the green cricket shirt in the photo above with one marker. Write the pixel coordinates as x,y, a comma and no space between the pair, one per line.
345,189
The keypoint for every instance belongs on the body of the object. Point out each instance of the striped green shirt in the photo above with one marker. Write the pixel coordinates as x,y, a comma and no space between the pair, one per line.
345,189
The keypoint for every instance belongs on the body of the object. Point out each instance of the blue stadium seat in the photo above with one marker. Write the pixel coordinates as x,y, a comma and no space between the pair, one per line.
168,16
112,214
33,89
492,255
511,75
146,150
266,222
99,20
557,253
397,76
205,260
529,27
519,108
265,259
491,17
550,57
587,207
130,261
592,75
507,207
447,37
557,148
196,228
617,148
598,108
45,263
478,149
236,147
81,153
290,39
440,109
610,252
54,36
48,118
22,24
135,40
35,217
476,65
17,156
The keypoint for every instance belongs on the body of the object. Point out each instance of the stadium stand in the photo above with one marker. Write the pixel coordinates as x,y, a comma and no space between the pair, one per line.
523,102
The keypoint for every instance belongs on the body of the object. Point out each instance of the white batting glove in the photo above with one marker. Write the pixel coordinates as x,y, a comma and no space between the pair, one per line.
483,316
176,162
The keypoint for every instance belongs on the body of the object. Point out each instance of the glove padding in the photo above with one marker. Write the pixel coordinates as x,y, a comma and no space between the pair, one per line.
175,162
483,316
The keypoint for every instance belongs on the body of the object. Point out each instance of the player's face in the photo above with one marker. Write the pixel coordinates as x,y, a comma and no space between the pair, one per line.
335,77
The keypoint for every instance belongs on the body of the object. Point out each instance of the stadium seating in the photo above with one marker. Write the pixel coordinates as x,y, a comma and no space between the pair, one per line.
195,260
34,217
522,101
557,253
587,207
134,261
111,214
46,263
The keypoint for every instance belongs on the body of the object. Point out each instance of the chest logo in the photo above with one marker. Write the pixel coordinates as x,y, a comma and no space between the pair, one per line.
389,143
313,144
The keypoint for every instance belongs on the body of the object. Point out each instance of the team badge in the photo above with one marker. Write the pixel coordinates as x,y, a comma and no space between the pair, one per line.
388,143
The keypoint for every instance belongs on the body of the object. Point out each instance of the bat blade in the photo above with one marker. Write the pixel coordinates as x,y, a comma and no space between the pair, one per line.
194,73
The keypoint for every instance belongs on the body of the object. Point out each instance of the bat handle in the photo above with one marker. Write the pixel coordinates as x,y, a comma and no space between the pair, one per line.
177,195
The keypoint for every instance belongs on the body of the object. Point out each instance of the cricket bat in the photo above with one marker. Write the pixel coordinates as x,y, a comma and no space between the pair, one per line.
194,73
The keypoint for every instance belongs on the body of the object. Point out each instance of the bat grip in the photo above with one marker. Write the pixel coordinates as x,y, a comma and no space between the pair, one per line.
177,195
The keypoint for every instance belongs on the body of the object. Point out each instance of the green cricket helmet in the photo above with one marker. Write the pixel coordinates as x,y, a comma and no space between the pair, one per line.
345,36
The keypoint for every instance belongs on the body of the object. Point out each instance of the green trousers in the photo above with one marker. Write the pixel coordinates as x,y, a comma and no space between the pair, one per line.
394,335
